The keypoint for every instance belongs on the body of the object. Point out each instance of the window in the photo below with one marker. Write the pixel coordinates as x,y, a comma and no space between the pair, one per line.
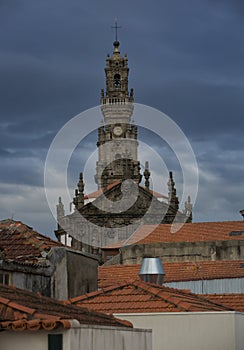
55,341
4,278
117,80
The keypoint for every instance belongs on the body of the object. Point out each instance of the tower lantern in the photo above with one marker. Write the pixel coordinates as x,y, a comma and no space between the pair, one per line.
117,91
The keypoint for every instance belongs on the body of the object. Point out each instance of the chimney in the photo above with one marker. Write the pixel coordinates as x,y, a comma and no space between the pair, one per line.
152,271
242,213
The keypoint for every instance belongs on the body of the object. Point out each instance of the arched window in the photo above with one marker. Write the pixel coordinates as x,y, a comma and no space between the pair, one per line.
117,80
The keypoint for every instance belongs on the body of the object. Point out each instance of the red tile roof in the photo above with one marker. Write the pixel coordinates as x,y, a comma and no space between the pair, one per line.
21,310
101,190
189,232
234,301
97,193
140,297
174,271
19,243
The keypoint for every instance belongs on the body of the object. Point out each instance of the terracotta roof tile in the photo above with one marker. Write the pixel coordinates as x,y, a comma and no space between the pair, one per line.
97,193
189,232
20,244
21,310
140,297
174,271
234,301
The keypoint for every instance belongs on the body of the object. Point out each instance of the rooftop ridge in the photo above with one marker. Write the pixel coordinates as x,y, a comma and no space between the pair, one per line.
35,310
139,296
175,271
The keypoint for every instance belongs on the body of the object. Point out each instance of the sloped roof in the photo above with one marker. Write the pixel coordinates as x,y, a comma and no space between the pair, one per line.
140,297
97,193
234,301
19,243
189,232
174,271
23,310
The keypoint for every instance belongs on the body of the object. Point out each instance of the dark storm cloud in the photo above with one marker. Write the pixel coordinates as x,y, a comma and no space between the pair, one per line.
202,110
186,59
25,171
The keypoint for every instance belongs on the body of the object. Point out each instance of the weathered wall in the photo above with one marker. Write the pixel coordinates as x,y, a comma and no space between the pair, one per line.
75,273
183,251
58,259
82,272
66,273
109,338
80,338
32,282
191,331
36,279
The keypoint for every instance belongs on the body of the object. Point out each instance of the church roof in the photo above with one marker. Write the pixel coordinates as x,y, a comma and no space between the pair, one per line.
141,297
19,243
97,193
22,310
188,232
174,271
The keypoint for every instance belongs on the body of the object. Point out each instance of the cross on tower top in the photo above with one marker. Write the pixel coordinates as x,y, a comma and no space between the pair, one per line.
116,27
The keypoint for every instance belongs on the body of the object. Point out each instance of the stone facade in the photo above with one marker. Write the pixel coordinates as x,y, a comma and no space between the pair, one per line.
123,204
117,138
182,251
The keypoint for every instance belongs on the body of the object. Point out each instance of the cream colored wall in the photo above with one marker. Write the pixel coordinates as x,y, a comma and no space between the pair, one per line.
239,331
192,331
109,338
23,340
80,338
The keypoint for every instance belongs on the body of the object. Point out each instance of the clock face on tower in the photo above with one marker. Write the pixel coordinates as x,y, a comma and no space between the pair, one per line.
117,131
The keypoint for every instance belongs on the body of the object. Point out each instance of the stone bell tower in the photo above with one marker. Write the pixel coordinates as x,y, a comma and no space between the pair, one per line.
117,136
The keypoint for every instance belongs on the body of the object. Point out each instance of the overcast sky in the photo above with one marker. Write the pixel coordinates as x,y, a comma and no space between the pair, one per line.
186,59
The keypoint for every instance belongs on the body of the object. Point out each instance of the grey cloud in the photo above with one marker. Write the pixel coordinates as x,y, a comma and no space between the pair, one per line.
185,60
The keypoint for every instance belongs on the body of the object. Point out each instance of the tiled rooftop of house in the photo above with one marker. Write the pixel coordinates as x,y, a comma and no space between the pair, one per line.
22,310
174,271
19,243
140,297
234,301
189,232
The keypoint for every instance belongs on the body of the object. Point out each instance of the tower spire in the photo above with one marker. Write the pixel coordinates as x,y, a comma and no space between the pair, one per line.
173,199
147,175
78,200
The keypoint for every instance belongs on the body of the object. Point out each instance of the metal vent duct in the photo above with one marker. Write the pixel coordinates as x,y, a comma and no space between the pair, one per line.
152,271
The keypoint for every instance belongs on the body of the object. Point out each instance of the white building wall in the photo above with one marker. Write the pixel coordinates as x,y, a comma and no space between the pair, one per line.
239,331
80,338
109,338
23,340
192,331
